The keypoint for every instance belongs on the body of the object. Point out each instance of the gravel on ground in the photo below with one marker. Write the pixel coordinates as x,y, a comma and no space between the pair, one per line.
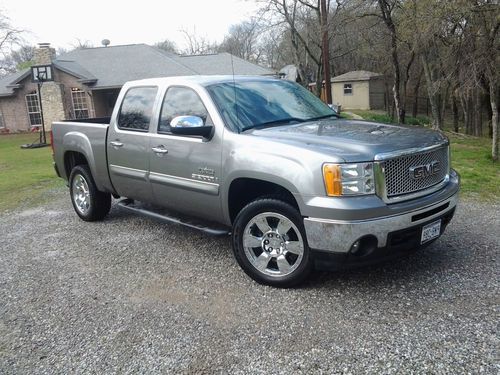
132,295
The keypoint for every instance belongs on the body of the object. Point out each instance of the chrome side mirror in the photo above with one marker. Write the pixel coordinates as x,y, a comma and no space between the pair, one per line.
186,122
190,125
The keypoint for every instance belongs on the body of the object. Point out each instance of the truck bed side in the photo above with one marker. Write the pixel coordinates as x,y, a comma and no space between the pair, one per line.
74,141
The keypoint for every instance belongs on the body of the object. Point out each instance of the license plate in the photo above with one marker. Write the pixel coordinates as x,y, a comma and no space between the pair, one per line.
430,231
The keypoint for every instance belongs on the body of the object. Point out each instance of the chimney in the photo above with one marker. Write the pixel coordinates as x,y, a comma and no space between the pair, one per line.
44,54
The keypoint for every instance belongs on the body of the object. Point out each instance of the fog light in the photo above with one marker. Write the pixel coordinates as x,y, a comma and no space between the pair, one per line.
364,246
355,247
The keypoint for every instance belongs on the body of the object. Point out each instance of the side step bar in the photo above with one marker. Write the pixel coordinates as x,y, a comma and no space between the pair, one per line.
164,215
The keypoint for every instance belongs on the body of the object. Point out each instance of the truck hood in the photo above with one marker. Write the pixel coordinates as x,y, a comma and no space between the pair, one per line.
351,140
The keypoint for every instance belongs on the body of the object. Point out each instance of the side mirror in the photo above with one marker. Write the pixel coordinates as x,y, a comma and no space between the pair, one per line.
190,125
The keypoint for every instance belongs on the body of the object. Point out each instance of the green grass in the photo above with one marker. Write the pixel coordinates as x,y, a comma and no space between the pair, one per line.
471,157
25,174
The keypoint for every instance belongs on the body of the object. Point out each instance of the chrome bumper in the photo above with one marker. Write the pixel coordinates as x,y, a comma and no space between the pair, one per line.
339,235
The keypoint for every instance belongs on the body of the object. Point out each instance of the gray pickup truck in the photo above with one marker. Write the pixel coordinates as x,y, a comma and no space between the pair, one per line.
266,161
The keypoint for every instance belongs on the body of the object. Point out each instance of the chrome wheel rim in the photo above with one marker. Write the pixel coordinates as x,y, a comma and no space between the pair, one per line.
273,244
81,194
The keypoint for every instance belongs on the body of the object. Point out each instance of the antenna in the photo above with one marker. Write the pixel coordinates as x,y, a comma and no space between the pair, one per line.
234,88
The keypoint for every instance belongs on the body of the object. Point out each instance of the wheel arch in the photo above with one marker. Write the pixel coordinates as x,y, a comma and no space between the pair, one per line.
243,190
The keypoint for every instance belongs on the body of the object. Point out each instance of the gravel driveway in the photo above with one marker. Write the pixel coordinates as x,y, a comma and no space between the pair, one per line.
131,295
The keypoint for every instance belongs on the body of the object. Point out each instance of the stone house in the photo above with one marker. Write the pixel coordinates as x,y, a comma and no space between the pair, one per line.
86,82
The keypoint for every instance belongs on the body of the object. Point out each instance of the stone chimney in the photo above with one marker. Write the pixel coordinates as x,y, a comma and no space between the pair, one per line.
44,54
52,92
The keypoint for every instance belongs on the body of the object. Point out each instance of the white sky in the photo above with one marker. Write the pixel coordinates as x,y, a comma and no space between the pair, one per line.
62,22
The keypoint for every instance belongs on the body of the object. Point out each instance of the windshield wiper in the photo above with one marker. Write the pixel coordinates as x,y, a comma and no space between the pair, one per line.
324,116
267,124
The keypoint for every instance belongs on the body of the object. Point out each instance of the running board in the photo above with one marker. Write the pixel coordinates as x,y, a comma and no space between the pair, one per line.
165,215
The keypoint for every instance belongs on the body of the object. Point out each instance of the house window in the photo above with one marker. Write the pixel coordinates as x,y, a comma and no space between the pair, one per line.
2,124
80,104
347,88
33,106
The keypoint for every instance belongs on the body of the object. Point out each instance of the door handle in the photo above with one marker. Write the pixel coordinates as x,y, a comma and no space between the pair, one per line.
160,150
116,144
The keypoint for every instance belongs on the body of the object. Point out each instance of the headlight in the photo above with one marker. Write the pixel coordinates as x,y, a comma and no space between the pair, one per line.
348,179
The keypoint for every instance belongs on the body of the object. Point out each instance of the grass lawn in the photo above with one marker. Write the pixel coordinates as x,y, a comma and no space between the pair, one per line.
471,157
25,174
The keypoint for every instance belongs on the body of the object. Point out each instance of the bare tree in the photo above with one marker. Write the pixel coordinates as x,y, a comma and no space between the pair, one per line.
10,37
167,45
297,19
197,45
387,8
19,59
244,40
82,44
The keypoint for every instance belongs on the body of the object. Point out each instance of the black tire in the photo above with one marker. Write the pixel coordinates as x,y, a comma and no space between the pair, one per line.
98,204
266,207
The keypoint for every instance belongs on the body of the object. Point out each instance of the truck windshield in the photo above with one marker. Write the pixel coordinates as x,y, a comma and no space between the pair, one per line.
251,104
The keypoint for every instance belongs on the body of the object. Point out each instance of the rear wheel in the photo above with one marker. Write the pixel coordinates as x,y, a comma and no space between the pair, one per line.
89,203
269,243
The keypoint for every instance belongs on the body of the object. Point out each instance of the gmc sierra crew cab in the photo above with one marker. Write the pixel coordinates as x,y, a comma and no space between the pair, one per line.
264,160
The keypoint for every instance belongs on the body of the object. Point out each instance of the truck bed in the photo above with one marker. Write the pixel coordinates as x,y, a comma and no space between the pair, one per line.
94,120
87,138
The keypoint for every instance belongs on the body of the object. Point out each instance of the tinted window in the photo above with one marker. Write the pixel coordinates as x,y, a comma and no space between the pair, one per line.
137,108
245,104
180,101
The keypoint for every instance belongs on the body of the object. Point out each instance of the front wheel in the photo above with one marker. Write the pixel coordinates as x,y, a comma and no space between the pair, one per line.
89,203
269,243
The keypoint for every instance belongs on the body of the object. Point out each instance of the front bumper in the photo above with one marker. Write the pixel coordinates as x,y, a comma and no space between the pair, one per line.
338,236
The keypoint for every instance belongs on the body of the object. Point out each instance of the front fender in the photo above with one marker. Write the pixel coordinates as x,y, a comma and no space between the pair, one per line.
289,172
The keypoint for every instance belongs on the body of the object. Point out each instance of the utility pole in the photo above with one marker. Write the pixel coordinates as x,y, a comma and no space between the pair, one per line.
326,53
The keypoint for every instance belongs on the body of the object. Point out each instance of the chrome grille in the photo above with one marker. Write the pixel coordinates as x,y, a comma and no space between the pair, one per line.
398,180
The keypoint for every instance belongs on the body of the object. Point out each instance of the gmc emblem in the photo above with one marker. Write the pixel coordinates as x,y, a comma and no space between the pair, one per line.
426,170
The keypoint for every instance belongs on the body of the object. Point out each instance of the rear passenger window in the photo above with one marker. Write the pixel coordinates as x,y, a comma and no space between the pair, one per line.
181,101
137,108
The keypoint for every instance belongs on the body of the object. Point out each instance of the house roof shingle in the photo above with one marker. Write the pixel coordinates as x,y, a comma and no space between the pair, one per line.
9,83
221,64
113,66
356,75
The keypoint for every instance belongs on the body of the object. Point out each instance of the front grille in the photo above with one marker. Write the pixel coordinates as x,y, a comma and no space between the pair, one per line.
398,180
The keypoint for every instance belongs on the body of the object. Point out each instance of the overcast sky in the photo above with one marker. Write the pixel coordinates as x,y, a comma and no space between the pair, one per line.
62,22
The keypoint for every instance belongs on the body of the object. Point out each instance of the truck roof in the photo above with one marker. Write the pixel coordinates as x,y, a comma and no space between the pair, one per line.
201,80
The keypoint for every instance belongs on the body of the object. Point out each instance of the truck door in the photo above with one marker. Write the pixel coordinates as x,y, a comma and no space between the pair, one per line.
185,171
128,144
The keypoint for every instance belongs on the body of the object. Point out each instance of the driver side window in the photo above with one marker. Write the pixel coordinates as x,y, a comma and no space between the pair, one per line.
181,101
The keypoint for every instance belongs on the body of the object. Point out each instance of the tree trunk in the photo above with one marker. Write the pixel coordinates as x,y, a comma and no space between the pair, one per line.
405,84
494,119
387,17
444,99
464,102
454,109
416,90
395,89
478,118
388,101
433,98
